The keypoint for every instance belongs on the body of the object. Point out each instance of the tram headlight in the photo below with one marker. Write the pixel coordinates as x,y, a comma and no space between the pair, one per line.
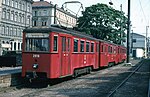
35,66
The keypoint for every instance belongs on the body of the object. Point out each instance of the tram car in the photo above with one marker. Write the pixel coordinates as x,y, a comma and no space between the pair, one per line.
55,53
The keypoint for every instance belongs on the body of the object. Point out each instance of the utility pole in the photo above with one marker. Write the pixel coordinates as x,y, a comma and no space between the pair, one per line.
146,42
128,33
132,43
121,25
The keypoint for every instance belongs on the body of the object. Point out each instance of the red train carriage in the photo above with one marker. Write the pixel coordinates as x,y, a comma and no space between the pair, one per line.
109,54
122,54
55,53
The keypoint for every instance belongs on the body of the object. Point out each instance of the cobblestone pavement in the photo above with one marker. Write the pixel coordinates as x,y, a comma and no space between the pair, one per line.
97,84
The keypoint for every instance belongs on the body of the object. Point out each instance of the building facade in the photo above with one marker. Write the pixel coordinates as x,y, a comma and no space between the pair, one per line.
139,45
45,14
15,15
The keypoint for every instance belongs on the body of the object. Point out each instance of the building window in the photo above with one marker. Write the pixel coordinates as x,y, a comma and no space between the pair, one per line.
16,17
45,12
23,19
12,16
28,20
44,23
8,2
7,30
3,29
14,32
20,5
4,14
4,1
39,13
23,6
28,8
11,30
16,4
35,13
18,46
11,45
12,3
20,31
8,15
19,18
15,46
34,23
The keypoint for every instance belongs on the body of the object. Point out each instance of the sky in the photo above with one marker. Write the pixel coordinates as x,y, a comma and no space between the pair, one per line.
140,14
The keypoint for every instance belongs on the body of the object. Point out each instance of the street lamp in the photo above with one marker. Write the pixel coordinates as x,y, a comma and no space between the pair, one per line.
110,2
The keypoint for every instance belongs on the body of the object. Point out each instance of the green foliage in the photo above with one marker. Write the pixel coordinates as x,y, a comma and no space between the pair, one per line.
103,22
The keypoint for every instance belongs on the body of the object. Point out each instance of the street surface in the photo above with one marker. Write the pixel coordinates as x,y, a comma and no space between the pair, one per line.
97,84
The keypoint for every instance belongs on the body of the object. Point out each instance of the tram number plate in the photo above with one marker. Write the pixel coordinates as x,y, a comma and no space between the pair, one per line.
36,56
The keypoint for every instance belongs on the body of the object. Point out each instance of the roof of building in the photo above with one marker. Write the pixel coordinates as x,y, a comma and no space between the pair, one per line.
45,4
41,4
138,35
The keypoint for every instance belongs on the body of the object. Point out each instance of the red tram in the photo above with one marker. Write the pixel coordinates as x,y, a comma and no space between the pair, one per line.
55,53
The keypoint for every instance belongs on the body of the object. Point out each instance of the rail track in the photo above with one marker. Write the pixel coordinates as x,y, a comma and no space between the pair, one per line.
81,86
111,94
149,87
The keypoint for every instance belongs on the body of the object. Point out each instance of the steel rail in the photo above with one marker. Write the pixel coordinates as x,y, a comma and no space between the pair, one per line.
123,82
149,87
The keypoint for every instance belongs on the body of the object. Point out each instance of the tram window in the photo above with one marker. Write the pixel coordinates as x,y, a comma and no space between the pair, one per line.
106,48
92,47
55,43
69,44
37,44
114,50
97,47
75,45
64,44
81,46
87,46
109,49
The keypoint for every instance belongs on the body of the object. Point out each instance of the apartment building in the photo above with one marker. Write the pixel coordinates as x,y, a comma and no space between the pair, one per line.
45,13
15,15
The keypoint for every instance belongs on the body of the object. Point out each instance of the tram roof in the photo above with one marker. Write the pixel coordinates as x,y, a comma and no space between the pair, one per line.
60,30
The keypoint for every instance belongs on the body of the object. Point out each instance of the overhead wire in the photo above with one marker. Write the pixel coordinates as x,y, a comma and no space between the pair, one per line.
143,11
114,4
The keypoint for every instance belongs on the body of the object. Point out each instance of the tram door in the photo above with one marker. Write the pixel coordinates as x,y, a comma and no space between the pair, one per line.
97,55
65,56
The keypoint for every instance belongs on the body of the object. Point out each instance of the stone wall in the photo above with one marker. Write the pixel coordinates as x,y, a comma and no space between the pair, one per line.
10,80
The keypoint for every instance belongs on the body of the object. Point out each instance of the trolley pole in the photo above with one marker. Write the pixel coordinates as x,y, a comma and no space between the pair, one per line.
128,34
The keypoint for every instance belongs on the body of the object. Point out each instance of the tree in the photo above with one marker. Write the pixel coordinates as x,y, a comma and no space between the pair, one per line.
103,22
